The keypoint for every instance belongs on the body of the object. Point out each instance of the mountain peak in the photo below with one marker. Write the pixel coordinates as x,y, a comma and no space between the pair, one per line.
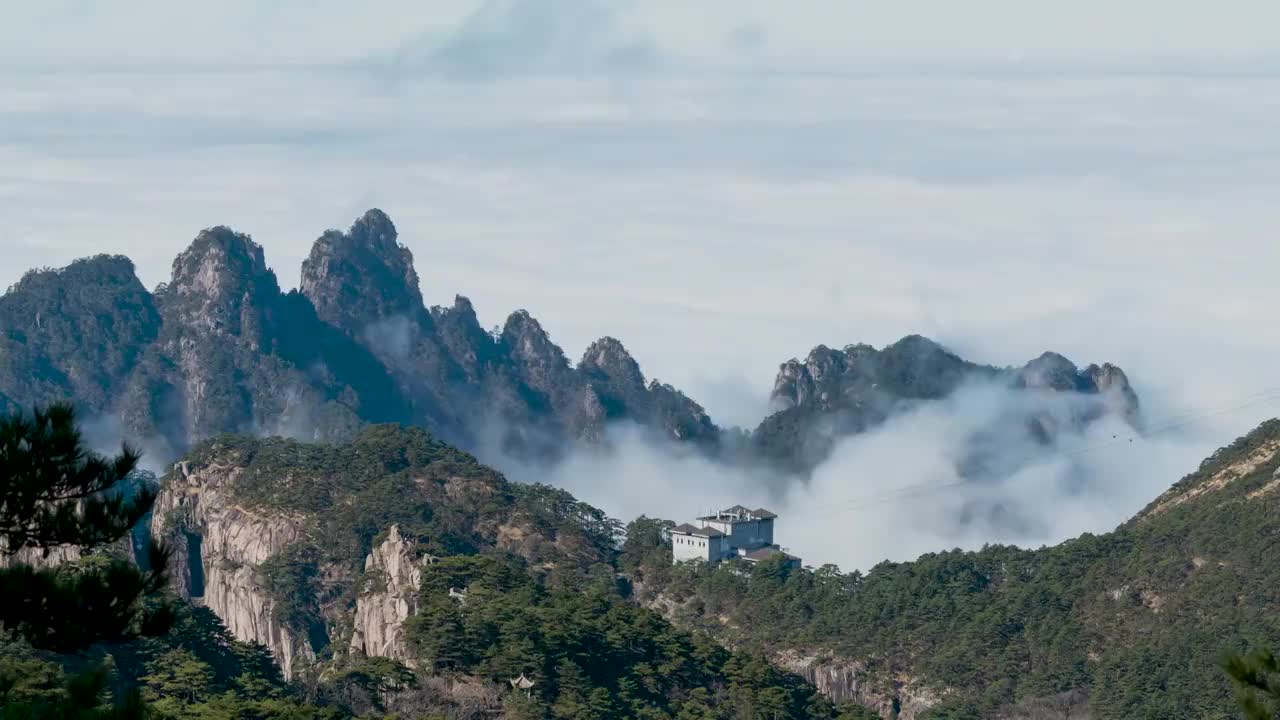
1051,371
610,355
462,305
527,341
217,281
360,277
608,364
217,253
375,229
73,333
112,270
915,344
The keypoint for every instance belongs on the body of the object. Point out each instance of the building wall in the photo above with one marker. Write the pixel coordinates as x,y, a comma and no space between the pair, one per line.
719,548
741,535
688,547
751,534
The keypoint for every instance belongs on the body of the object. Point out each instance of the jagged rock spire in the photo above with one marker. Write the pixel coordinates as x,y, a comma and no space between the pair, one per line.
606,358
220,284
362,276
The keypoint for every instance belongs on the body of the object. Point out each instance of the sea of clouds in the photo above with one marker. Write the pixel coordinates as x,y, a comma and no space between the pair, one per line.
720,207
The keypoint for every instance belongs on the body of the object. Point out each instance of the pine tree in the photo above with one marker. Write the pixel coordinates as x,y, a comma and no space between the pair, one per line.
55,493
180,674
1257,680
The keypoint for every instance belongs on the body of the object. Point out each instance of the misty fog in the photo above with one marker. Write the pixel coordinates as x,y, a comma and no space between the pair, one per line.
897,492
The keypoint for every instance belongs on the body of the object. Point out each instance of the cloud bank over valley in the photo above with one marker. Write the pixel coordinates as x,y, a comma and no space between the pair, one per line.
721,203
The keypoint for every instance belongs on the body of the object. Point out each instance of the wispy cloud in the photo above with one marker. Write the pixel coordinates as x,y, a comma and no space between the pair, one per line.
502,38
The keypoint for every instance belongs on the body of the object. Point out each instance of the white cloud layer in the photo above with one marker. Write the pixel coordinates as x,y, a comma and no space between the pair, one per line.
806,32
718,217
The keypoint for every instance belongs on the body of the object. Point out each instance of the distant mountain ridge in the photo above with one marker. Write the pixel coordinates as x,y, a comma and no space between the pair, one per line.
836,393
222,348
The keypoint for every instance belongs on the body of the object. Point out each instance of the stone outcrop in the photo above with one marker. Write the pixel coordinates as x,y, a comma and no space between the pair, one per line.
217,548
35,557
393,574
363,276
843,680
836,393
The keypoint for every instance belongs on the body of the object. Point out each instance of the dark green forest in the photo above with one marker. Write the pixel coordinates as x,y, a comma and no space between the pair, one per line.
1155,620
1138,620
553,609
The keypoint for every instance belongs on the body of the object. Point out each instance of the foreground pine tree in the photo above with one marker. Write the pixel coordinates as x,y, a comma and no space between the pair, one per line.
1257,680
55,493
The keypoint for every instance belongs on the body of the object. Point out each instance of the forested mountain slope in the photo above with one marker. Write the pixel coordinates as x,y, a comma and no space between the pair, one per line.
395,545
1129,624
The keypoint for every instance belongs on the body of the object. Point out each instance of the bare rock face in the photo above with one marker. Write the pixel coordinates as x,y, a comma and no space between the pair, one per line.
393,572
221,285
363,276
234,355
842,680
217,547
36,558
1111,382
472,348
540,363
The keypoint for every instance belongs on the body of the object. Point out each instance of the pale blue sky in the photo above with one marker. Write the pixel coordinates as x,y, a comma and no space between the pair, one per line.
326,31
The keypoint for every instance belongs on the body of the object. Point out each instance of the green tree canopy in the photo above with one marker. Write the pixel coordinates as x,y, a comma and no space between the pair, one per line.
54,491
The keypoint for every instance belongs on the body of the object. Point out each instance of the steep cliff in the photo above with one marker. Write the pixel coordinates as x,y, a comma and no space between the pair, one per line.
218,546
844,680
316,549
389,597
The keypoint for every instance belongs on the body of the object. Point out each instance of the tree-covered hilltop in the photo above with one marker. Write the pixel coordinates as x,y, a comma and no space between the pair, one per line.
74,334
1134,622
395,573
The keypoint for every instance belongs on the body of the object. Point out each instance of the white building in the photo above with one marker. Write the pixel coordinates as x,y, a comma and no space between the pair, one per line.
733,532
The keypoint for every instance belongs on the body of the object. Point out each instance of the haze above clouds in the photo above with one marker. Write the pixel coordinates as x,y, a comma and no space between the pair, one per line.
721,187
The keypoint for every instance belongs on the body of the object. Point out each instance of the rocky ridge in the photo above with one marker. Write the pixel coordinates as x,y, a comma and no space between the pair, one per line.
221,348
835,393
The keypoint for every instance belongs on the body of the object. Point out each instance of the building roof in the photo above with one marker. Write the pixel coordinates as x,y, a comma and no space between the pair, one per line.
739,513
765,553
687,529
